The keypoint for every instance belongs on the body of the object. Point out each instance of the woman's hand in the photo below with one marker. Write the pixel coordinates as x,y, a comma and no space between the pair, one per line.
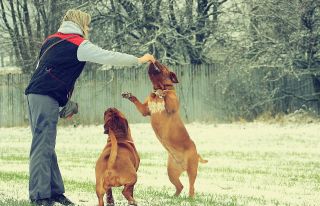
145,58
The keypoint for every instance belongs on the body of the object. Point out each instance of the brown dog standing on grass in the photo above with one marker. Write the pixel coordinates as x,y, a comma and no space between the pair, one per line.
163,107
119,160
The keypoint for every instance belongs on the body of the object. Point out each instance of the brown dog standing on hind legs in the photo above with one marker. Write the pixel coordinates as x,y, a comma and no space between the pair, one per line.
119,160
163,107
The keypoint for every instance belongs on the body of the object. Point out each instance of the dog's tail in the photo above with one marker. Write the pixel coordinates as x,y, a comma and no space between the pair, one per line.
202,160
113,152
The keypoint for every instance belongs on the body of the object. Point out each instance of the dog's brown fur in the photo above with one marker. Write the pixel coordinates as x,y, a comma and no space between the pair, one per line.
163,107
119,160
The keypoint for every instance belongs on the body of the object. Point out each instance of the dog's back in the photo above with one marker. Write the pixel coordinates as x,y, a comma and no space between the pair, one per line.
115,167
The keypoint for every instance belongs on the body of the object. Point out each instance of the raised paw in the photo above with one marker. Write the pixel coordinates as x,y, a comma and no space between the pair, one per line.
129,96
126,95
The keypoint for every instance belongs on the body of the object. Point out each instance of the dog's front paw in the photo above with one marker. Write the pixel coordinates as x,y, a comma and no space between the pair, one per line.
128,95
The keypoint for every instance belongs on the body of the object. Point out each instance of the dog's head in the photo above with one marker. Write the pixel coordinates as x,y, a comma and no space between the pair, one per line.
160,76
114,120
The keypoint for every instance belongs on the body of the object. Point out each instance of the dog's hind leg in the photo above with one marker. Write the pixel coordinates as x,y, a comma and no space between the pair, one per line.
100,195
100,191
128,194
174,172
192,171
110,200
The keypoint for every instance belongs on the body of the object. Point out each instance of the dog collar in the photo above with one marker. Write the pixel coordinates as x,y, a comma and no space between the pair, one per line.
160,93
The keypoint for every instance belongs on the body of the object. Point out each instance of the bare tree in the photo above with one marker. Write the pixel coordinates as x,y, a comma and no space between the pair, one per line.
27,24
175,31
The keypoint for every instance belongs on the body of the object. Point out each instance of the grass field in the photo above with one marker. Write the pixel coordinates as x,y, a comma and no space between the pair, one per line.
249,164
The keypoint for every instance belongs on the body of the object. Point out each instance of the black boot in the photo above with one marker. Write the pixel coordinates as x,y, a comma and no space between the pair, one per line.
62,200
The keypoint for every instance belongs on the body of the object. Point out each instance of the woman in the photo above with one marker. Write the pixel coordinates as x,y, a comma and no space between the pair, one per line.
62,59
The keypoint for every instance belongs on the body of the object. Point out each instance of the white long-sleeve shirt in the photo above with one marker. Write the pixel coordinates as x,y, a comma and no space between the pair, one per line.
87,51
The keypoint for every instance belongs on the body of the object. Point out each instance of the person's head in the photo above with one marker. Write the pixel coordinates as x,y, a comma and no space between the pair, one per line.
82,19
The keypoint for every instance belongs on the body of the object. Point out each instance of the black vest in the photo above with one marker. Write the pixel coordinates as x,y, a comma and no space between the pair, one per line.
58,69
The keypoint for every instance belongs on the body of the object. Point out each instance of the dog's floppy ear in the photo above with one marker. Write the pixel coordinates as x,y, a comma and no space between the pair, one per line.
173,77
105,126
122,126
110,124
106,129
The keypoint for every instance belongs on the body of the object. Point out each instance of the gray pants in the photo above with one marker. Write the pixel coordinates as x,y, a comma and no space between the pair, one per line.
45,179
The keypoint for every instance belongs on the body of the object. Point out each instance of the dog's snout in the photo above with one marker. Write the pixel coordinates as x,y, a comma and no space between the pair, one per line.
154,69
